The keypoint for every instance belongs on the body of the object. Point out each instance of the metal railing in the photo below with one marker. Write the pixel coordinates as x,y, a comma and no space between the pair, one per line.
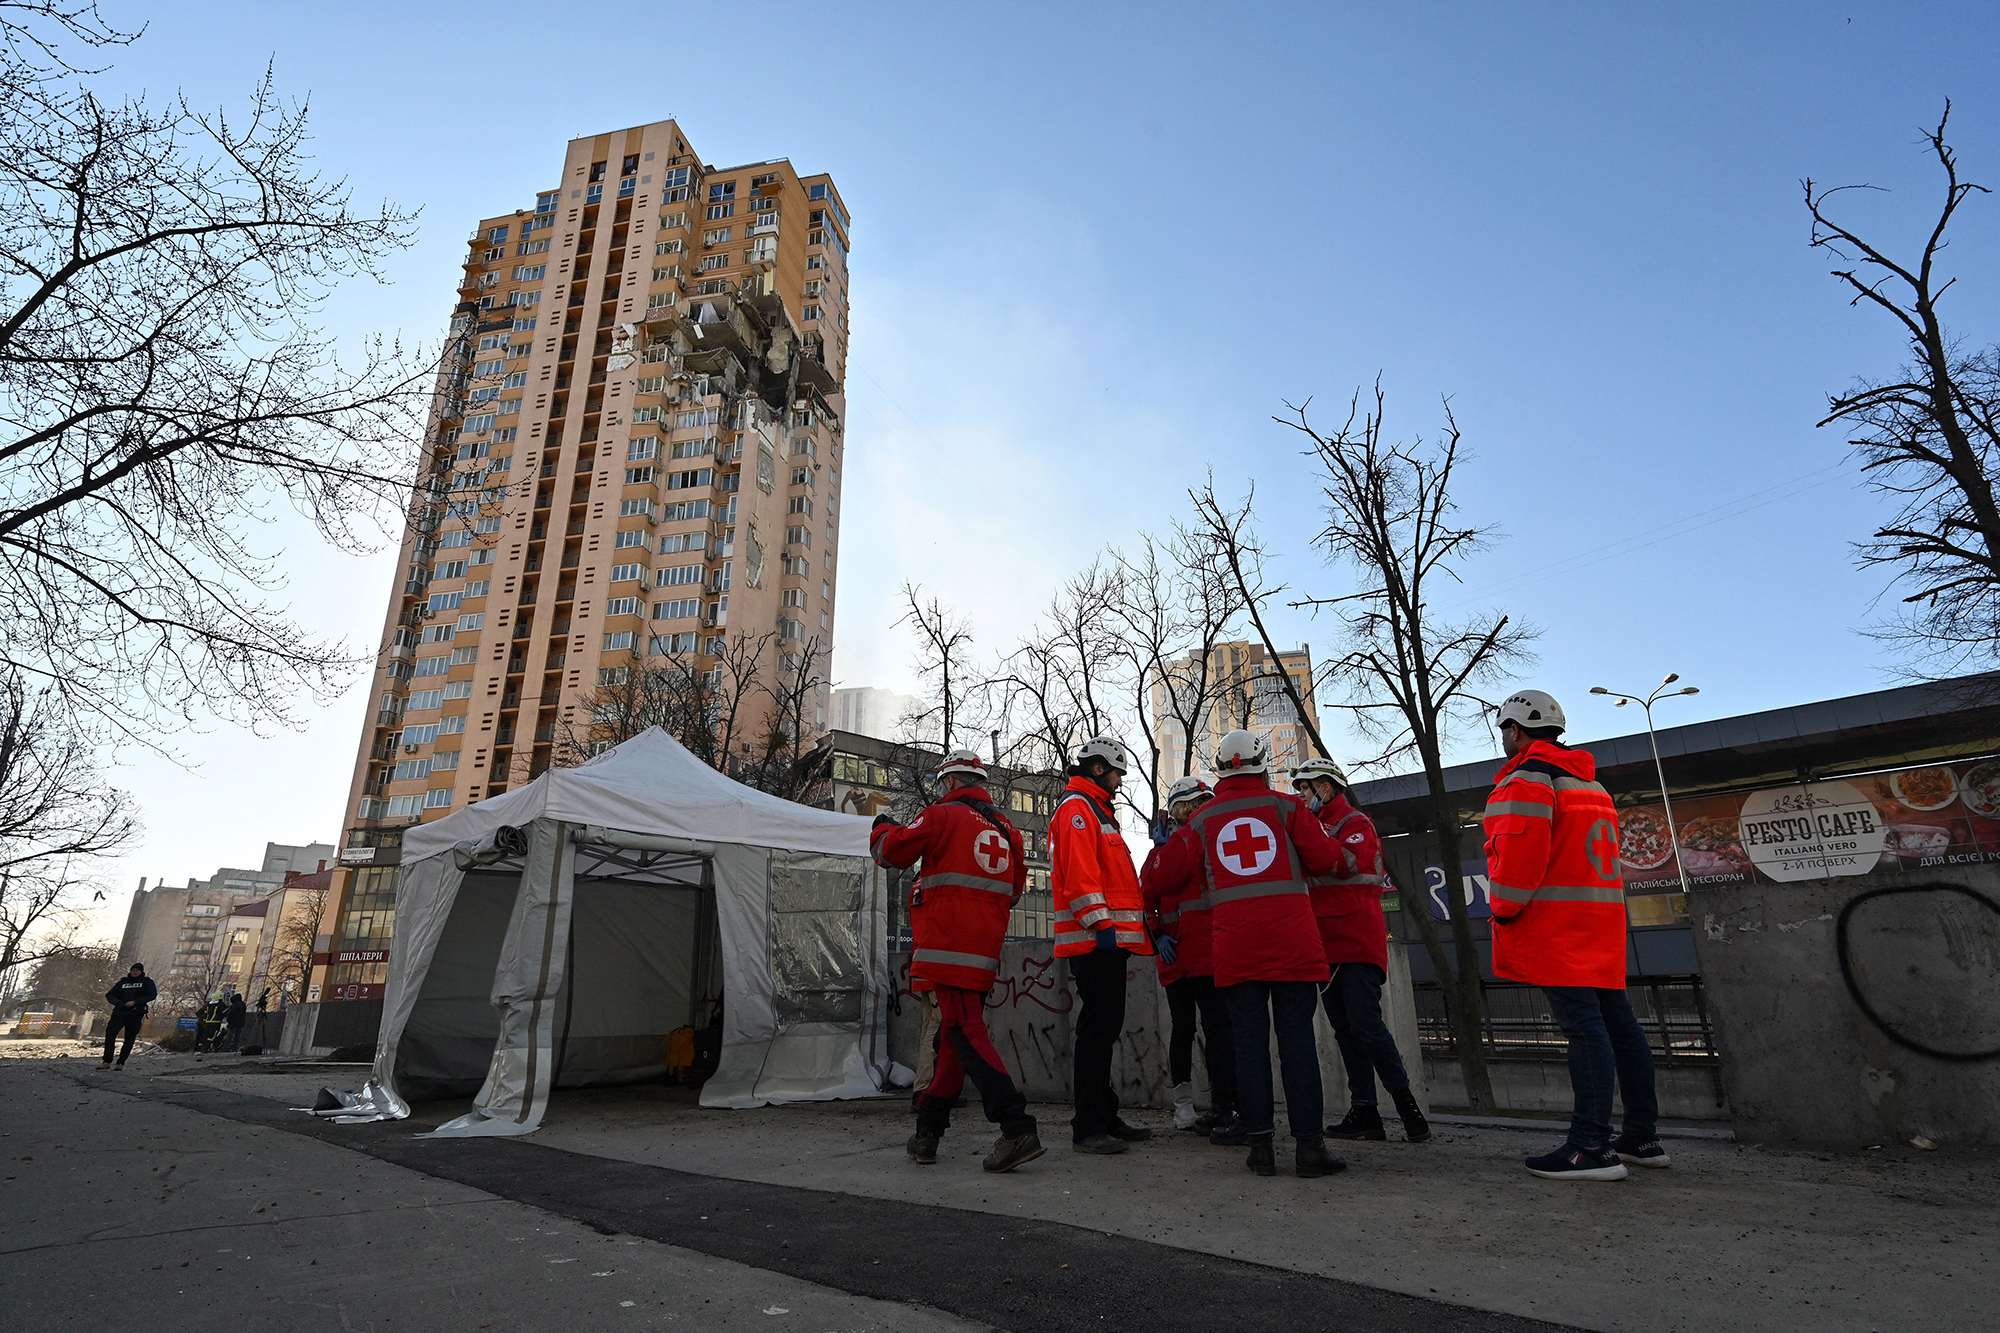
1519,1026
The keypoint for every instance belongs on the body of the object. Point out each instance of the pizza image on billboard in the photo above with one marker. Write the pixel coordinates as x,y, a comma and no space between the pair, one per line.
1643,840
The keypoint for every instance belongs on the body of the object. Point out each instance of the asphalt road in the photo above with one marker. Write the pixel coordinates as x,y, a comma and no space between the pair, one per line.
166,1205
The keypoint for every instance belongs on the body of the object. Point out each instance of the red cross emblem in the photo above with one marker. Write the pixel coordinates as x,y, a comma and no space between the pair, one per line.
991,851
1247,846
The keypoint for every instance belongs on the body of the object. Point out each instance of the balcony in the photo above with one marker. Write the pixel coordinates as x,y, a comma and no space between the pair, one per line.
504,736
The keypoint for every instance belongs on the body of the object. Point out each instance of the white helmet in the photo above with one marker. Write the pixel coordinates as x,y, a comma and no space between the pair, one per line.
1532,708
967,762
1320,768
1106,748
1188,789
1241,752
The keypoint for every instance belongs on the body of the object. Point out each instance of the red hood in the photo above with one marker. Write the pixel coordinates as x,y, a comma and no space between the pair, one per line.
974,793
1576,763
1242,784
1090,789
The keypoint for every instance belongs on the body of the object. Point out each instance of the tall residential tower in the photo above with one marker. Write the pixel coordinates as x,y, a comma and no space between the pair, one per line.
634,467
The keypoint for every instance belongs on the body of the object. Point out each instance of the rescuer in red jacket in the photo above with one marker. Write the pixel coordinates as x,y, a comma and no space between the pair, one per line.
973,872
1179,920
1559,923
1355,935
1099,921
1258,847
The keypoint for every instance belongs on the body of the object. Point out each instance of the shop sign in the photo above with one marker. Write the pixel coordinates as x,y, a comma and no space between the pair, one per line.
362,956
1811,832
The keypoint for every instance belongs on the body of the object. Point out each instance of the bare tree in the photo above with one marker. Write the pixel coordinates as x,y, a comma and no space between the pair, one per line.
163,389
58,821
77,975
1190,681
1927,436
944,669
295,943
786,764
1064,683
1410,676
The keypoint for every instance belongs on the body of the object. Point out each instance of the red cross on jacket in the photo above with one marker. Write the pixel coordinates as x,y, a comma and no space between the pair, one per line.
973,873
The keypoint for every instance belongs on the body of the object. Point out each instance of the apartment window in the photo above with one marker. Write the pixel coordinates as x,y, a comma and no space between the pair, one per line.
720,236
628,508
420,735
620,641
793,597
479,425
517,380
524,298
670,179
525,325
798,537
373,808
667,273
621,573
683,509
689,420
464,656
677,575
816,192
444,762
826,592
672,247
638,476
712,287
439,633
629,538
494,342
815,261
540,247
424,699
594,194
679,610
692,448
407,769
452,726
458,689
796,565
763,205
670,221
622,606
723,190
626,187
697,477
531,272
711,262
546,202
641,415
716,212
449,569
799,504
437,799
472,621
445,601
630,166
801,476
640,450
683,541
769,178
815,287
666,645
810,312
400,806
494,255
650,384
490,367
613,675
791,629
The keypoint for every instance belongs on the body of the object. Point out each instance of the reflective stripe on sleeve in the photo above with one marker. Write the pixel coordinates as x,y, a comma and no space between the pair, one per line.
1086,900
1579,784
1507,893
1524,775
1074,936
1532,809
956,959
1578,893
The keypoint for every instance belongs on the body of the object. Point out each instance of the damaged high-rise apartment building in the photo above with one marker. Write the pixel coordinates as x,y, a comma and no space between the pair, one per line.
633,476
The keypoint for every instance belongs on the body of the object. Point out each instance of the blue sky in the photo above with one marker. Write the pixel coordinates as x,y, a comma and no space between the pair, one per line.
1095,248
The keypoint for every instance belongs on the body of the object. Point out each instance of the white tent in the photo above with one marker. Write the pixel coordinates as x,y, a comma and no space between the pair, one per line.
553,936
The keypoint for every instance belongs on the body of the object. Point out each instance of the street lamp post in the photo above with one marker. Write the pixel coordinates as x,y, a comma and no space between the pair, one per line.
1646,703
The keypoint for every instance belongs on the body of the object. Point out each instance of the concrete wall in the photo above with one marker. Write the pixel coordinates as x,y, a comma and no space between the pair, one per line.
1029,1013
1802,1062
1543,1086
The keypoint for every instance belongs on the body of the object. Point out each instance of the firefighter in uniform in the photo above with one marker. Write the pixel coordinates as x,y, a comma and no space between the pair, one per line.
972,874
1559,923
1258,847
1355,934
1187,961
1099,920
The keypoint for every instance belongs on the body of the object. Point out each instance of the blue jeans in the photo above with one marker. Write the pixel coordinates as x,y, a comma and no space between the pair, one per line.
1605,1040
1255,1007
1353,1000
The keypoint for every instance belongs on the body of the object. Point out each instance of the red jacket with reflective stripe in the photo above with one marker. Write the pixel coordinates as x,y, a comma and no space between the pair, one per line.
973,872
1175,893
1258,847
1552,859
1091,874
1348,902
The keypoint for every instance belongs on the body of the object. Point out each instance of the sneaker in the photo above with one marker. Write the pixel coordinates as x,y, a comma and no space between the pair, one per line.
1261,1159
1360,1122
1184,1114
1009,1153
1571,1162
1312,1160
1101,1144
1641,1152
105,1065
1231,1133
119,1065
1130,1133
922,1148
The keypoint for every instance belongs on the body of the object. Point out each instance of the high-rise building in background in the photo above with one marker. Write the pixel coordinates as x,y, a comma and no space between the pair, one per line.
867,711
634,468
178,932
1242,688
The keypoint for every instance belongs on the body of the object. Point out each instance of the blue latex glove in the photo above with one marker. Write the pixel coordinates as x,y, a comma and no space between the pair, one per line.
1107,939
1160,832
1168,947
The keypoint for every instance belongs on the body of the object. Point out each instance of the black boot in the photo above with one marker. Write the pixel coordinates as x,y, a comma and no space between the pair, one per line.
1314,1161
1261,1159
1209,1119
922,1148
1231,1133
1360,1122
1415,1128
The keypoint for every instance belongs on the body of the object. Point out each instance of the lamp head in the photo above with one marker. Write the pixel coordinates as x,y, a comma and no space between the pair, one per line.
1672,676
1690,690
1599,689
1620,704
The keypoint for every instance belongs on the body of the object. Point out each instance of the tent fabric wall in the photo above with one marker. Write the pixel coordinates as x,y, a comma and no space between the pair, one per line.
800,909
444,1044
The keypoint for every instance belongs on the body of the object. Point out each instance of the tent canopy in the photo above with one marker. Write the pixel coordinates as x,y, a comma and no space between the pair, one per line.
645,875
